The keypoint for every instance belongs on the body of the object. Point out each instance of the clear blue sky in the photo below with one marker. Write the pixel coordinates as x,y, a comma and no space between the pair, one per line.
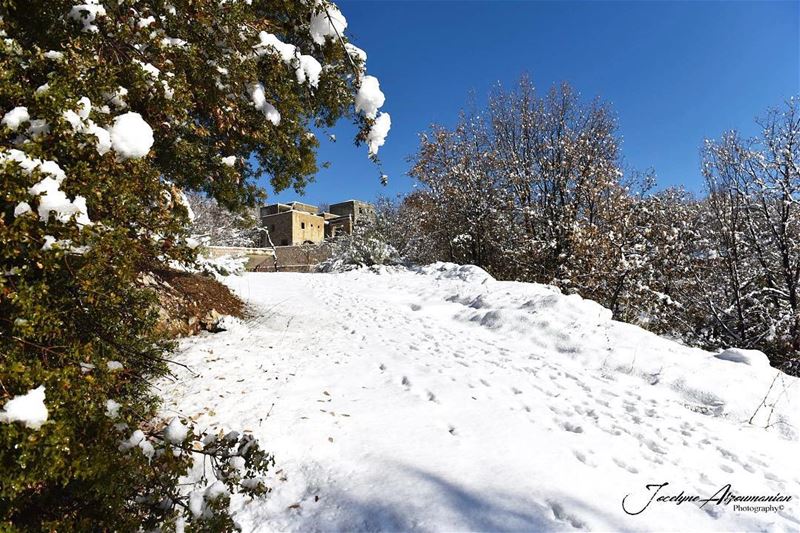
675,72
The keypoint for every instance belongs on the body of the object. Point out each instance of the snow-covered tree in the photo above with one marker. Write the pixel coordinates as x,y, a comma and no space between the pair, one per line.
109,109
509,188
558,158
754,187
214,225
468,206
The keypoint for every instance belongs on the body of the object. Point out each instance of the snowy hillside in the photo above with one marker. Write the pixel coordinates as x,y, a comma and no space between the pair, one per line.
441,399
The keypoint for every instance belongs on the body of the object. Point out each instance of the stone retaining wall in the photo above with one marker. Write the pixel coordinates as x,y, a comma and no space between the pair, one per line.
302,258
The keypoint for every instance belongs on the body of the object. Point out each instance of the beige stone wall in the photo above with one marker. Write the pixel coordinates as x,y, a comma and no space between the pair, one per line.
280,228
296,258
292,228
307,228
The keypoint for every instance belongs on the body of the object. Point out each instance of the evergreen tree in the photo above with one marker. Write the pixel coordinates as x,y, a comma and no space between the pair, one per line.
109,111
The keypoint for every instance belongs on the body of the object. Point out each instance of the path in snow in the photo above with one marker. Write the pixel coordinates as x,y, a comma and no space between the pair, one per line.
444,400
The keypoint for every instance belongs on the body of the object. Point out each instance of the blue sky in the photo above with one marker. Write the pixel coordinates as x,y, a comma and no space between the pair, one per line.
675,73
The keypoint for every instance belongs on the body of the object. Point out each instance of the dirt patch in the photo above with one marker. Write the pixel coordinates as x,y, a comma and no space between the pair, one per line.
189,303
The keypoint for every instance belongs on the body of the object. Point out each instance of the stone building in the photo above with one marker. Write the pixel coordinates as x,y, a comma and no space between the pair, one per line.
360,212
296,223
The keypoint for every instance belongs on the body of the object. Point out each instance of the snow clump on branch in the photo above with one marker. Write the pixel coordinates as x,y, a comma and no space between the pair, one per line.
328,21
131,136
28,408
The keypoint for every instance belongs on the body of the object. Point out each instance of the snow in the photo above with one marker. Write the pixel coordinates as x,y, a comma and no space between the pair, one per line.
138,440
378,132
748,357
21,209
51,197
29,164
146,22
15,117
176,432
306,67
269,41
197,499
38,127
357,53
74,119
54,55
49,242
103,136
114,366
132,441
117,98
327,24
87,14
147,449
85,106
440,399
112,409
150,69
174,41
229,161
259,99
53,200
28,409
309,70
81,124
369,97
131,136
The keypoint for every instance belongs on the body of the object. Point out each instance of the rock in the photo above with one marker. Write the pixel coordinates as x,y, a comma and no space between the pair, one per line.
210,321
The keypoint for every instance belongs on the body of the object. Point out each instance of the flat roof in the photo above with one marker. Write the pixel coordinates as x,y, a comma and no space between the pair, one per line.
292,211
350,201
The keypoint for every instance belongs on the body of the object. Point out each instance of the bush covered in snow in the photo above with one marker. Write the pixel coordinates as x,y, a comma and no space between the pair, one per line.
109,110
226,265
366,246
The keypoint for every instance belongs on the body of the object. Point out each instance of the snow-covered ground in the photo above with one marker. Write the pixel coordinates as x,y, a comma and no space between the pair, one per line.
440,399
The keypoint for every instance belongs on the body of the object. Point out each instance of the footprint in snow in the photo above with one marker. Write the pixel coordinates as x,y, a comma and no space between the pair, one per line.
573,428
580,456
405,382
624,466
772,477
561,515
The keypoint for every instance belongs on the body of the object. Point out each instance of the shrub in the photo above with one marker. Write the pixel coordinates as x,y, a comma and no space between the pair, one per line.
366,246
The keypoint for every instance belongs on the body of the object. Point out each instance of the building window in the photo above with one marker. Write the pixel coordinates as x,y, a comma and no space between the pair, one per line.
302,225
